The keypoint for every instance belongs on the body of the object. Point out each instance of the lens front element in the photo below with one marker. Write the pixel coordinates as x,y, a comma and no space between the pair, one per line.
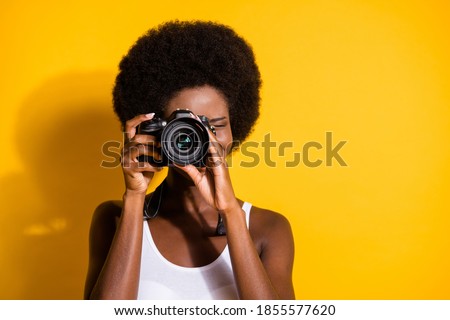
184,142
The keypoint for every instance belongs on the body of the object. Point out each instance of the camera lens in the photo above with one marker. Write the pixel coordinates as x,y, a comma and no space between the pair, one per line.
185,141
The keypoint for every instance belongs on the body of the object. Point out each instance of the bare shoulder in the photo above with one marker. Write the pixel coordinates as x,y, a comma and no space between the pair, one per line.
267,220
103,227
107,213
273,238
104,223
267,225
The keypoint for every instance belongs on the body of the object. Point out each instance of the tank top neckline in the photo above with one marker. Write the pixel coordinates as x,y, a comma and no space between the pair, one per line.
147,233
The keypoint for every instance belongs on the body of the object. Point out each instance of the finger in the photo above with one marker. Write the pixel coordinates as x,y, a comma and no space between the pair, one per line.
140,153
215,157
215,147
195,175
130,125
142,167
145,139
134,150
142,149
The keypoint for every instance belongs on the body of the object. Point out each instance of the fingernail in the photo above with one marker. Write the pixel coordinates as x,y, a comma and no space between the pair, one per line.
150,115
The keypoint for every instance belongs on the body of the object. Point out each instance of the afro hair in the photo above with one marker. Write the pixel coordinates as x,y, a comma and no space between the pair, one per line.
187,54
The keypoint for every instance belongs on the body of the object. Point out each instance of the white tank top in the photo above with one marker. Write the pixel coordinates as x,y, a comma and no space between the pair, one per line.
163,280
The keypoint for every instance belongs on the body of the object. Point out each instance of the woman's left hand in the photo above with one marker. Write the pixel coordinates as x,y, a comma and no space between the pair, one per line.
213,181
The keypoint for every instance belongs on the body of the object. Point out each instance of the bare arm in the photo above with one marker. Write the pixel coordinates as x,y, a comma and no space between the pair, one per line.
115,250
268,276
277,253
117,276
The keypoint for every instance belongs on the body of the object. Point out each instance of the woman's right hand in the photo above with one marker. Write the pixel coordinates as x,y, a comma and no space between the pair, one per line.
138,174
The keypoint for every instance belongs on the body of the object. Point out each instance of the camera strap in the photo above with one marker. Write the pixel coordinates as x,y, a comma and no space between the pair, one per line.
150,210
220,230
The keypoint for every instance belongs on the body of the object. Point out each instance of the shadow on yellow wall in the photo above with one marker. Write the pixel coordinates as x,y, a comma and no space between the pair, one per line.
47,207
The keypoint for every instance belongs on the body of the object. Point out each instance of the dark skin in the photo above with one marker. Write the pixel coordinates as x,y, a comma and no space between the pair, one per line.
261,256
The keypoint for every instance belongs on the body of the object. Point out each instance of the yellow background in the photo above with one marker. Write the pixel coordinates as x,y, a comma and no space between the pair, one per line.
375,73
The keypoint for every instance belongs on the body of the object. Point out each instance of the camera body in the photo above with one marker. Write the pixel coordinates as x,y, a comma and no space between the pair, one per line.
184,139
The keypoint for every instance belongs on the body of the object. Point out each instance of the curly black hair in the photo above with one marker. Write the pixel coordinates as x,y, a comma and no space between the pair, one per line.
186,54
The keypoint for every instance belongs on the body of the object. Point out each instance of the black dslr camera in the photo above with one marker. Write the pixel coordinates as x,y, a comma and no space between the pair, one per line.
184,139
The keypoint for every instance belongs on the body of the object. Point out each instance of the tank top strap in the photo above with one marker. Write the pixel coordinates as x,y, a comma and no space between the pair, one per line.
247,206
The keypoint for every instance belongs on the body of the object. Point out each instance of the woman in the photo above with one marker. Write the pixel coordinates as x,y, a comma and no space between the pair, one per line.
201,242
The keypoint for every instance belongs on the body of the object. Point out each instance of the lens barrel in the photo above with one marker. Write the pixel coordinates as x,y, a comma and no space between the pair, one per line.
185,141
